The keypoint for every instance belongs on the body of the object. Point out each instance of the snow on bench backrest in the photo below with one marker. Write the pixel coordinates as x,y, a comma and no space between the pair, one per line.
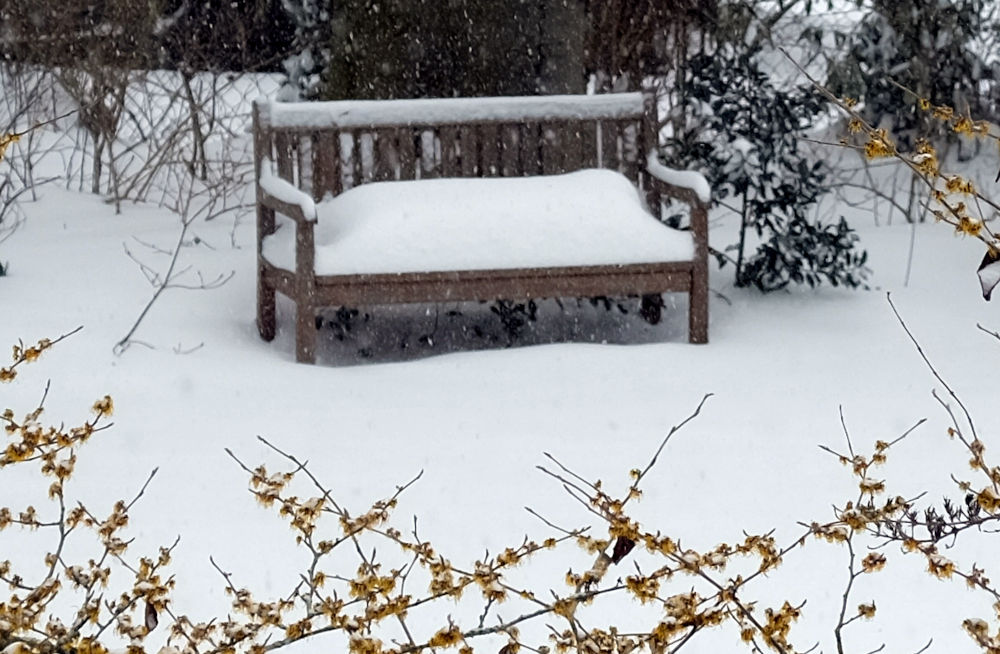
352,114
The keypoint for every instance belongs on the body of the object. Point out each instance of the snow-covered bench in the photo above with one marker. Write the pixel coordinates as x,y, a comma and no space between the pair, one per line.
378,202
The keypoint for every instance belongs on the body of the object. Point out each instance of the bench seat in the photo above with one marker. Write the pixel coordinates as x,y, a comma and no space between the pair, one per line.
588,217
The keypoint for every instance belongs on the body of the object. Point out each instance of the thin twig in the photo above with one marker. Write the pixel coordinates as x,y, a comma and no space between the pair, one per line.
847,434
930,366
666,439
568,532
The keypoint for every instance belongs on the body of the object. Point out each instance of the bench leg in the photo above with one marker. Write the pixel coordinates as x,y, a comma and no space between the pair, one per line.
305,333
698,308
651,308
266,317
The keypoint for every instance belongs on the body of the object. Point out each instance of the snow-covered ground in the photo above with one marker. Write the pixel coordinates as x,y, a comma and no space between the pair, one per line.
477,419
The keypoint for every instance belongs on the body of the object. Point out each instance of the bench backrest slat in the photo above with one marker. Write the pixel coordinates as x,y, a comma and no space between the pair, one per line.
328,147
489,150
509,150
571,140
448,138
406,141
386,159
551,148
327,164
283,150
468,148
531,150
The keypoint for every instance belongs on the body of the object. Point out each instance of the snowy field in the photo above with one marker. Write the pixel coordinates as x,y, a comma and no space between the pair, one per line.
596,389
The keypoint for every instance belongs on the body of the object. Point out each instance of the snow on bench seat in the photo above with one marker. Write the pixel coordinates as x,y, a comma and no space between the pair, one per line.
584,218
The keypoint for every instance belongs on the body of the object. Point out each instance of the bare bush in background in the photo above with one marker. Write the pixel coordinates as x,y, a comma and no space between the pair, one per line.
135,123
27,95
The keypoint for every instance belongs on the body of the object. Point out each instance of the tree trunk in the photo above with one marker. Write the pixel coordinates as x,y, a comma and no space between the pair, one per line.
95,182
564,26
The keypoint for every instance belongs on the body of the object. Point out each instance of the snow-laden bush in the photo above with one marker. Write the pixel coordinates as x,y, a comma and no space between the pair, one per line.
312,55
25,89
743,134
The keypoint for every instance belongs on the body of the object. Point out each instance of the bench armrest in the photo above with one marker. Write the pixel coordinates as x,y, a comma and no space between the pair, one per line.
687,186
277,194
293,211
280,195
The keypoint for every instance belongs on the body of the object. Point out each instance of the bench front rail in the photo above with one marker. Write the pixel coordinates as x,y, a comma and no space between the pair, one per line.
323,149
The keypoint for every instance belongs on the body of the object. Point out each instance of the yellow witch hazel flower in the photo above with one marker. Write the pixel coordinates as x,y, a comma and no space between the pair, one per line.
926,159
943,112
104,407
6,140
969,226
879,145
958,184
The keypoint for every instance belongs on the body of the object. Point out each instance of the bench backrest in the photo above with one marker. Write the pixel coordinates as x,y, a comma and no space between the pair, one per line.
328,147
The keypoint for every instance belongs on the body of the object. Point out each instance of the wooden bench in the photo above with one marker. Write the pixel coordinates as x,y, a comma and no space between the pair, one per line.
305,152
